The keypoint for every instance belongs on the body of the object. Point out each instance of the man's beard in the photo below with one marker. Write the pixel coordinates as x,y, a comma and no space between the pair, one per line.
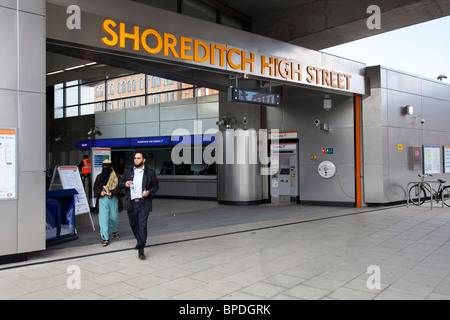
139,164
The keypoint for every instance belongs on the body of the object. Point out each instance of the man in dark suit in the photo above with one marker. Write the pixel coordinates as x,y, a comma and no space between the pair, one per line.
140,184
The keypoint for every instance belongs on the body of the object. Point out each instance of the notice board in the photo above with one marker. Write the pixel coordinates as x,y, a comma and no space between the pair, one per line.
70,178
8,163
446,159
98,155
431,159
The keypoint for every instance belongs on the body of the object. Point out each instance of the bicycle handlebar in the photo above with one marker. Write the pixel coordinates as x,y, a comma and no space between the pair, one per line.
422,176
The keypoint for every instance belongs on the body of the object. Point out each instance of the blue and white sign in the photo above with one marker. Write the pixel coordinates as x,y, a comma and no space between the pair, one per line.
151,141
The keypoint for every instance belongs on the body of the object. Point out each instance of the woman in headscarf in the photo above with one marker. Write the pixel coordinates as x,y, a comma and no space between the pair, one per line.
106,190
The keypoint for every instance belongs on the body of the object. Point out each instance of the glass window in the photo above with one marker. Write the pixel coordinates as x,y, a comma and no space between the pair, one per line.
171,5
198,9
72,112
59,101
229,21
86,109
99,106
81,98
72,96
87,92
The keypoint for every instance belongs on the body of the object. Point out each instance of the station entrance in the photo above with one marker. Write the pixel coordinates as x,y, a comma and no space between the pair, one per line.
320,105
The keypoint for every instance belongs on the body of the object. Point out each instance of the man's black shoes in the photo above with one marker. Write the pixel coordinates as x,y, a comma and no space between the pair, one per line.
141,254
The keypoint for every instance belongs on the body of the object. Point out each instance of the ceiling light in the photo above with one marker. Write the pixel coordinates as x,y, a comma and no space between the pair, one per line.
75,67
55,72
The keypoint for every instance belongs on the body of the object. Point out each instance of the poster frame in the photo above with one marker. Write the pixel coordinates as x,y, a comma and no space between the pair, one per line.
427,164
15,196
446,158
98,154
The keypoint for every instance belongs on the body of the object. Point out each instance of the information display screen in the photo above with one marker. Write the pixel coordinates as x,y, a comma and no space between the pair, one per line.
254,97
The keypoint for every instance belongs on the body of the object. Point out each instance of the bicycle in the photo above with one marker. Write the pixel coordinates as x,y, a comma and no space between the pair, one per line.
418,192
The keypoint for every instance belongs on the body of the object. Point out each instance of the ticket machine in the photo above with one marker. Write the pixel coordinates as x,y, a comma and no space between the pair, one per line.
284,173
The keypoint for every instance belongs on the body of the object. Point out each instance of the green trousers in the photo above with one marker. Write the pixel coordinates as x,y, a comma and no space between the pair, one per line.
108,216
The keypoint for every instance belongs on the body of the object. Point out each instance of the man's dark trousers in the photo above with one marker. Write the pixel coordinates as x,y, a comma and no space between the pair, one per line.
138,222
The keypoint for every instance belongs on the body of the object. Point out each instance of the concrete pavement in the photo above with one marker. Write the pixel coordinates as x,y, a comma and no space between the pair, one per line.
199,250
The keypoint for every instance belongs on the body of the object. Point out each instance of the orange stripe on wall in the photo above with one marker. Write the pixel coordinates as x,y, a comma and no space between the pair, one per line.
358,155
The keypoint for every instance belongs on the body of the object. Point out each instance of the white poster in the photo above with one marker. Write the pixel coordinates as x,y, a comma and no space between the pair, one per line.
8,162
446,159
70,179
431,159
98,155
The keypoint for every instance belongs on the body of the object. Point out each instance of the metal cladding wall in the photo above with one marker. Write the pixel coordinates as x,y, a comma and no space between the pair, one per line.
22,96
239,178
389,132
298,111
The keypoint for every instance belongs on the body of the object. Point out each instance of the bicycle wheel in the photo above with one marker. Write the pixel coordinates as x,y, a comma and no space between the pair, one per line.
417,194
446,196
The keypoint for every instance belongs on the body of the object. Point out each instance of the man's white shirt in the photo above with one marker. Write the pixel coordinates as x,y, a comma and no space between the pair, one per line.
136,192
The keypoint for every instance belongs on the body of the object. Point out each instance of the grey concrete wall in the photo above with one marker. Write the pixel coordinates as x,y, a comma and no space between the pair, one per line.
387,169
22,96
320,24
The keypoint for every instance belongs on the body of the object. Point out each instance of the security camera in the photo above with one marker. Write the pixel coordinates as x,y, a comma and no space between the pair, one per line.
94,131
244,120
220,122
317,122
422,119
